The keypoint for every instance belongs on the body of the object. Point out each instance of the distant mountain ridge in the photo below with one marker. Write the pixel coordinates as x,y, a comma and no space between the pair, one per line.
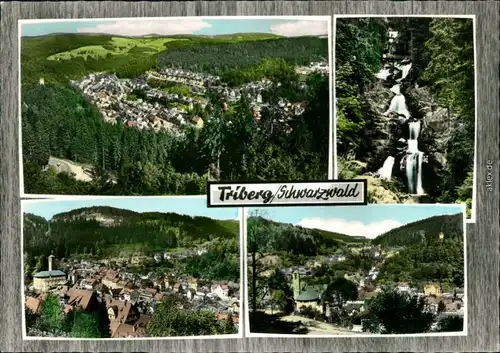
429,229
156,35
115,212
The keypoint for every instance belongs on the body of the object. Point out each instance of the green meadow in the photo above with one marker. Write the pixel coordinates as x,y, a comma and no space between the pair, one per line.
116,46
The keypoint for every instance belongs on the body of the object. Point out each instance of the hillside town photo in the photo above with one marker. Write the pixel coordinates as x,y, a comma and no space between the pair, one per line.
357,270
130,268
161,106
405,107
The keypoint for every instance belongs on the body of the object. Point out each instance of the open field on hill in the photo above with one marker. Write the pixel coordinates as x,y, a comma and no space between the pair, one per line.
116,46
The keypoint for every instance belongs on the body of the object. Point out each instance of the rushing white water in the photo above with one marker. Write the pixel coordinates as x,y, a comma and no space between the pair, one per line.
398,106
386,171
414,159
396,89
383,74
405,69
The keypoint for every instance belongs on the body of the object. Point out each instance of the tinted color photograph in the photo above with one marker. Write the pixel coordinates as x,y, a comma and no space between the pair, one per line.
405,107
160,106
130,268
356,271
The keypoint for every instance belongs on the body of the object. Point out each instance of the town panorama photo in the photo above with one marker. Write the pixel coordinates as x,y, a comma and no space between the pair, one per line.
160,106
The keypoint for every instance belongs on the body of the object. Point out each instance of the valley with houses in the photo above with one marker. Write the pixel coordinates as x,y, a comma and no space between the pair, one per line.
106,272
307,281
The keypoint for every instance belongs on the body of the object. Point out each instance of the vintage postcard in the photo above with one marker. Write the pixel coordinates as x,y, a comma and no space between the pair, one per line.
130,268
160,106
376,270
405,107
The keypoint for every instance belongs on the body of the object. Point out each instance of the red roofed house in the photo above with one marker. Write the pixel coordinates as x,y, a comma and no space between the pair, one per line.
236,319
137,329
33,304
82,298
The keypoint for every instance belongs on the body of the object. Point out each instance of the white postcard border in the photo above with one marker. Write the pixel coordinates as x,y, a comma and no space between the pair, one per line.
331,145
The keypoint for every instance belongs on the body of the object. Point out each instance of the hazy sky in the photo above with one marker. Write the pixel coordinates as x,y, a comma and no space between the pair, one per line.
192,206
369,221
190,25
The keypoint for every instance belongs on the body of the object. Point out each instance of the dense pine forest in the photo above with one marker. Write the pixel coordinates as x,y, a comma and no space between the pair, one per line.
426,229
238,64
57,121
402,79
106,232
275,237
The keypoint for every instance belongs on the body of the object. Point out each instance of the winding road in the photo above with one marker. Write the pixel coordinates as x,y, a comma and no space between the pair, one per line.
63,165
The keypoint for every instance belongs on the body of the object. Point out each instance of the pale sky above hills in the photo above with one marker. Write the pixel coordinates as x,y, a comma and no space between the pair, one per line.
312,26
369,221
187,205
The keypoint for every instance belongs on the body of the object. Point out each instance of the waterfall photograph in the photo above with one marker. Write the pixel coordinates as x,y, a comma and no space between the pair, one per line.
405,107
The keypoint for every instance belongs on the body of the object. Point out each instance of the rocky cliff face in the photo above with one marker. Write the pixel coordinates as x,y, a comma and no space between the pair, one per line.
97,214
382,131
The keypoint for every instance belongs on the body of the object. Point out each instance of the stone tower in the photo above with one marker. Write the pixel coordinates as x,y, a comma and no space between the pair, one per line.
296,284
51,262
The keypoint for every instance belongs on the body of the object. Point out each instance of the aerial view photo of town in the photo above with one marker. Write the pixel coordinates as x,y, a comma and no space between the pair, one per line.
357,270
406,107
130,268
160,106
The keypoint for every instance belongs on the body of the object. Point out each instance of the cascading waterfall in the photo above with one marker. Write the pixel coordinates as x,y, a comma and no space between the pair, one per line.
405,69
414,158
386,171
398,104
383,74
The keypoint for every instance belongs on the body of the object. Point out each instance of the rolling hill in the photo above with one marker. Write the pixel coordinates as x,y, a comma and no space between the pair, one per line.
429,228
62,57
108,231
281,237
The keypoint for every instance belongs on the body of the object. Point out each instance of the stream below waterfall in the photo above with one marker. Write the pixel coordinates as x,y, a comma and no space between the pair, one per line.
411,162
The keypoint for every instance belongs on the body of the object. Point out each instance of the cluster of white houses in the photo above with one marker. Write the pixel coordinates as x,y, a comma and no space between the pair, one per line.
320,67
112,97
162,110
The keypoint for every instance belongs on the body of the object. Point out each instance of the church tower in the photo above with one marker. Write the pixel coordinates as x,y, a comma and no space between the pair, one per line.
296,284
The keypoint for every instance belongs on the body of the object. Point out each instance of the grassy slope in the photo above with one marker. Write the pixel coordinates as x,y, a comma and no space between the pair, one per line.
116,46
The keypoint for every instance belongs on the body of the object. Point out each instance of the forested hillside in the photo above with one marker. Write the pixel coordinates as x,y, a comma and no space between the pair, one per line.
36,51
220,55
275,237
106,232
133,59
452,226
57,121
433,261
239,63
439,92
